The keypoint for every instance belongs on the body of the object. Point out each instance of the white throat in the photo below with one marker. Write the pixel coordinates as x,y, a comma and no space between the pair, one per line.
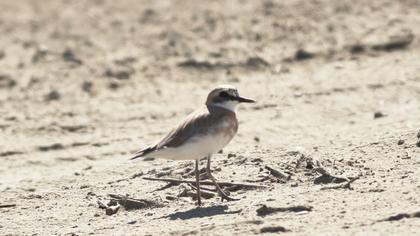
228,105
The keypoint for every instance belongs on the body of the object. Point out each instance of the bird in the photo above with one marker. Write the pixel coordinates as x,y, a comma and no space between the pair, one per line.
204,132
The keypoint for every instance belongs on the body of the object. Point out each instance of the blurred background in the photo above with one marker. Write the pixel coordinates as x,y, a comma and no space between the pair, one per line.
83,84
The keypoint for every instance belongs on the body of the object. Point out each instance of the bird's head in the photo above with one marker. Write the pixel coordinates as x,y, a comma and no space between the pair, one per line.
227,97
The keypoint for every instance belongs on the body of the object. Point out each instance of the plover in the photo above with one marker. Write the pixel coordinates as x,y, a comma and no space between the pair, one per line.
201,134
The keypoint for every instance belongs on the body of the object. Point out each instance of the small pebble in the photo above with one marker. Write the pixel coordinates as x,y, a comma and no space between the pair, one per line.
378,114
301,55
273,229
69,56
122,74
7,82
231,155
170,198
114,85
401,142
132,222
87,86
53,95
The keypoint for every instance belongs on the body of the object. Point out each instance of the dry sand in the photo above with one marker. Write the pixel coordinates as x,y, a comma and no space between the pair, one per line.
83,84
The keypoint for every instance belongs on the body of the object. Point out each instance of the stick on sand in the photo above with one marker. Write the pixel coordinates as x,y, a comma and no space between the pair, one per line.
7,205
179,181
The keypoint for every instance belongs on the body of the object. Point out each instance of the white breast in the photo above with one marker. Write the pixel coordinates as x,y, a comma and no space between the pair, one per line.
194,149
197,147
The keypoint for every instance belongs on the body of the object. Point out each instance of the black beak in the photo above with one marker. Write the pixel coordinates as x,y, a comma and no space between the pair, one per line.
242,99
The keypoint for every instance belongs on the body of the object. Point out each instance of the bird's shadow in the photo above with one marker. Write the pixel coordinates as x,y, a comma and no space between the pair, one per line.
201,212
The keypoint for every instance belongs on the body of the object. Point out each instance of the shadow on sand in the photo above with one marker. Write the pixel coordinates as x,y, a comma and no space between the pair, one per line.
201,212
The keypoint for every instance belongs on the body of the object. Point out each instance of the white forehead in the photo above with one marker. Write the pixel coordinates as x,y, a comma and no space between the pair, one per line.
228,88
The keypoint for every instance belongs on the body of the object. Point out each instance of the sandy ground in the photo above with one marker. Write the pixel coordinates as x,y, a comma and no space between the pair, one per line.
83,84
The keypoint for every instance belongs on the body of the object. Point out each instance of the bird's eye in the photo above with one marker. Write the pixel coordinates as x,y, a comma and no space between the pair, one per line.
223,95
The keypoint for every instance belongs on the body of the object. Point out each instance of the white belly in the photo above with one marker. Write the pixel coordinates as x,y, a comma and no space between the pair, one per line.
195,148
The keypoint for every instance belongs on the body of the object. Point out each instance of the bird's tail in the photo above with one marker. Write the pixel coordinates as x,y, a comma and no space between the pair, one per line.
143,152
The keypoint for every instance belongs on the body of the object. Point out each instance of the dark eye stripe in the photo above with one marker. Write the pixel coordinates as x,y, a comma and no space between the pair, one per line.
224,95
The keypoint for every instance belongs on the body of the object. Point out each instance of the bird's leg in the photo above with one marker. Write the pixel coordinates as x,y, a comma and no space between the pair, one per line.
197,179
222,194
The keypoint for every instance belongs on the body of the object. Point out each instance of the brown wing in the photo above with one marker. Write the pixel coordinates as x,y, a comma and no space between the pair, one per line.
196,123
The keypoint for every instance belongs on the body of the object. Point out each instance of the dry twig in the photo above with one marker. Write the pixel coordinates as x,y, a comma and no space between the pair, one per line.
202,188
265,210
346,185
110,208
7,205
278,174
204,193
326,177
401,216
130,203
180,181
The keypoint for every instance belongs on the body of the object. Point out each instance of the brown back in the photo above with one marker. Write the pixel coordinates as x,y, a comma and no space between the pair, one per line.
199,122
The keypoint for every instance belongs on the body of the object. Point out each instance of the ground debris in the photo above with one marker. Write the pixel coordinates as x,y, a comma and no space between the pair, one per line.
346,185
327,178
74,128
126,179
87,86
265,210
117,201
69,56
315,165
112,209
55,146
180,181
7,205
278,174
378,114
256,62
273,229
109,207
119,73
137,175
53,95
132,203
191,191
302,54
10,153
251,62
357,48
6,81
401,216
192,63
395,43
